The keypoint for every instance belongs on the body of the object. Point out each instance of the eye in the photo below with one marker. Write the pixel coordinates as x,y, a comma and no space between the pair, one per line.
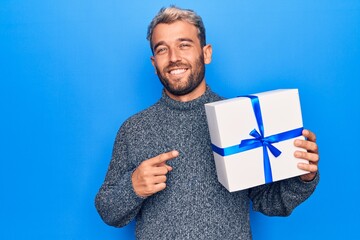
184,45
160,50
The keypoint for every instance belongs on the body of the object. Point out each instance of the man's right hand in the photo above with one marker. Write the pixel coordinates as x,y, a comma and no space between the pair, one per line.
150,176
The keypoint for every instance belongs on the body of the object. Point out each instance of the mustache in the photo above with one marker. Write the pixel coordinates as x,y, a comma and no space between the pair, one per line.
176,65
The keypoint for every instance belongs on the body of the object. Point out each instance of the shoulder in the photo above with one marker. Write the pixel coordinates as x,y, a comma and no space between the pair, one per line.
141,120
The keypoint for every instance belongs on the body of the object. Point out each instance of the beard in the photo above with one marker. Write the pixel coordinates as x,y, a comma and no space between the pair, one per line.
192,82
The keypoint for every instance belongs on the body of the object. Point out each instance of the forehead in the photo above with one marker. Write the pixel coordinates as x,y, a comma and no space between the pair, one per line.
174,31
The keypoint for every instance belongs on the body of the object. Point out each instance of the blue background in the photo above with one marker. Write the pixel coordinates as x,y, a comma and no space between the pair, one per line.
72,71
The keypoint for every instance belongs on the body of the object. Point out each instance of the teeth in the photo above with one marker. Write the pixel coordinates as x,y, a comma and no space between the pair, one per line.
177,71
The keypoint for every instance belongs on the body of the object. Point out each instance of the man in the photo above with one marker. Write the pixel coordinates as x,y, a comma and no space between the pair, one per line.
162,172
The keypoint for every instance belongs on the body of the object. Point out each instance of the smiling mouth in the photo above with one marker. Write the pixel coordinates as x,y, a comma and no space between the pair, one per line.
178,71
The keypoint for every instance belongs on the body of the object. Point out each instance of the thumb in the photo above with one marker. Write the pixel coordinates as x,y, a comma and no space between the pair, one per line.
163,164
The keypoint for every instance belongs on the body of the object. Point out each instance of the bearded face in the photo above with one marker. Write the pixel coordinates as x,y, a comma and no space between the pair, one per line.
179,59
179,83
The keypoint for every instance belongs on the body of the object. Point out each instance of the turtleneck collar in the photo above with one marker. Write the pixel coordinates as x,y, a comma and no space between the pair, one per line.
207,97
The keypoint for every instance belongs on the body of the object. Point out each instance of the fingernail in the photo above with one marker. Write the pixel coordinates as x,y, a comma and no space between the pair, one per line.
175,153
297,142
297,154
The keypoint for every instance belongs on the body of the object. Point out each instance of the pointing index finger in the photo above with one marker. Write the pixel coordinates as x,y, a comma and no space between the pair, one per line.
162,158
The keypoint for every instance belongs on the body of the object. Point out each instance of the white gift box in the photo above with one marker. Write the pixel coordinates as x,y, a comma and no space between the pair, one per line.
241,164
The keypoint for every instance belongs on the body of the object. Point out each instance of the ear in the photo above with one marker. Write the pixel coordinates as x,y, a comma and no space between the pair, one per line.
207,51
152,58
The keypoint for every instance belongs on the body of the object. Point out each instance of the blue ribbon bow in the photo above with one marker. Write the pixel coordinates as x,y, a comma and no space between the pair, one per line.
259,140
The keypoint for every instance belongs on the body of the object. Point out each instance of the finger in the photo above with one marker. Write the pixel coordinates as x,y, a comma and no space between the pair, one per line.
308,167
168,167
307,145
162,170
149,190
159,187
309,135
163,157
146,171
159,179
312,157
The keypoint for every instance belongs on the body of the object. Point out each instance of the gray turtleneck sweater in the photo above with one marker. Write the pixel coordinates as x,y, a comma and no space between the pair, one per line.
194,204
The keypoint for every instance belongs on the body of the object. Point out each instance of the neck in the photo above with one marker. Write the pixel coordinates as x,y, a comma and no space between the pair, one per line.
197,92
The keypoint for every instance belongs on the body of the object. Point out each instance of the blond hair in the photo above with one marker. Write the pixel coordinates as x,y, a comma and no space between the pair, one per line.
172,14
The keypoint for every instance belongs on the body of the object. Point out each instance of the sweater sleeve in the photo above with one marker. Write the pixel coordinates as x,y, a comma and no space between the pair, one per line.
116,200
282,197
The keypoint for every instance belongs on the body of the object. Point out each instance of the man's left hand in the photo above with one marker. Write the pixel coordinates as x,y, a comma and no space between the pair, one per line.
311,154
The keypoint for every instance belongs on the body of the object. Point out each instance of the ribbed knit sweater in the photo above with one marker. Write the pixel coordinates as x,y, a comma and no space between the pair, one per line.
194,204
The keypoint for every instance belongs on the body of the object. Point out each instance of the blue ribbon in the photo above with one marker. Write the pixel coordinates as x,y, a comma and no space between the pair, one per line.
259,140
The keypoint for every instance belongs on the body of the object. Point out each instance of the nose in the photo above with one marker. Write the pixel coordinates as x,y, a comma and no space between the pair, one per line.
174,55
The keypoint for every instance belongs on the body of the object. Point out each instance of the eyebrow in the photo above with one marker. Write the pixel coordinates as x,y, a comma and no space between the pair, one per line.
158,44
185,40
178,40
